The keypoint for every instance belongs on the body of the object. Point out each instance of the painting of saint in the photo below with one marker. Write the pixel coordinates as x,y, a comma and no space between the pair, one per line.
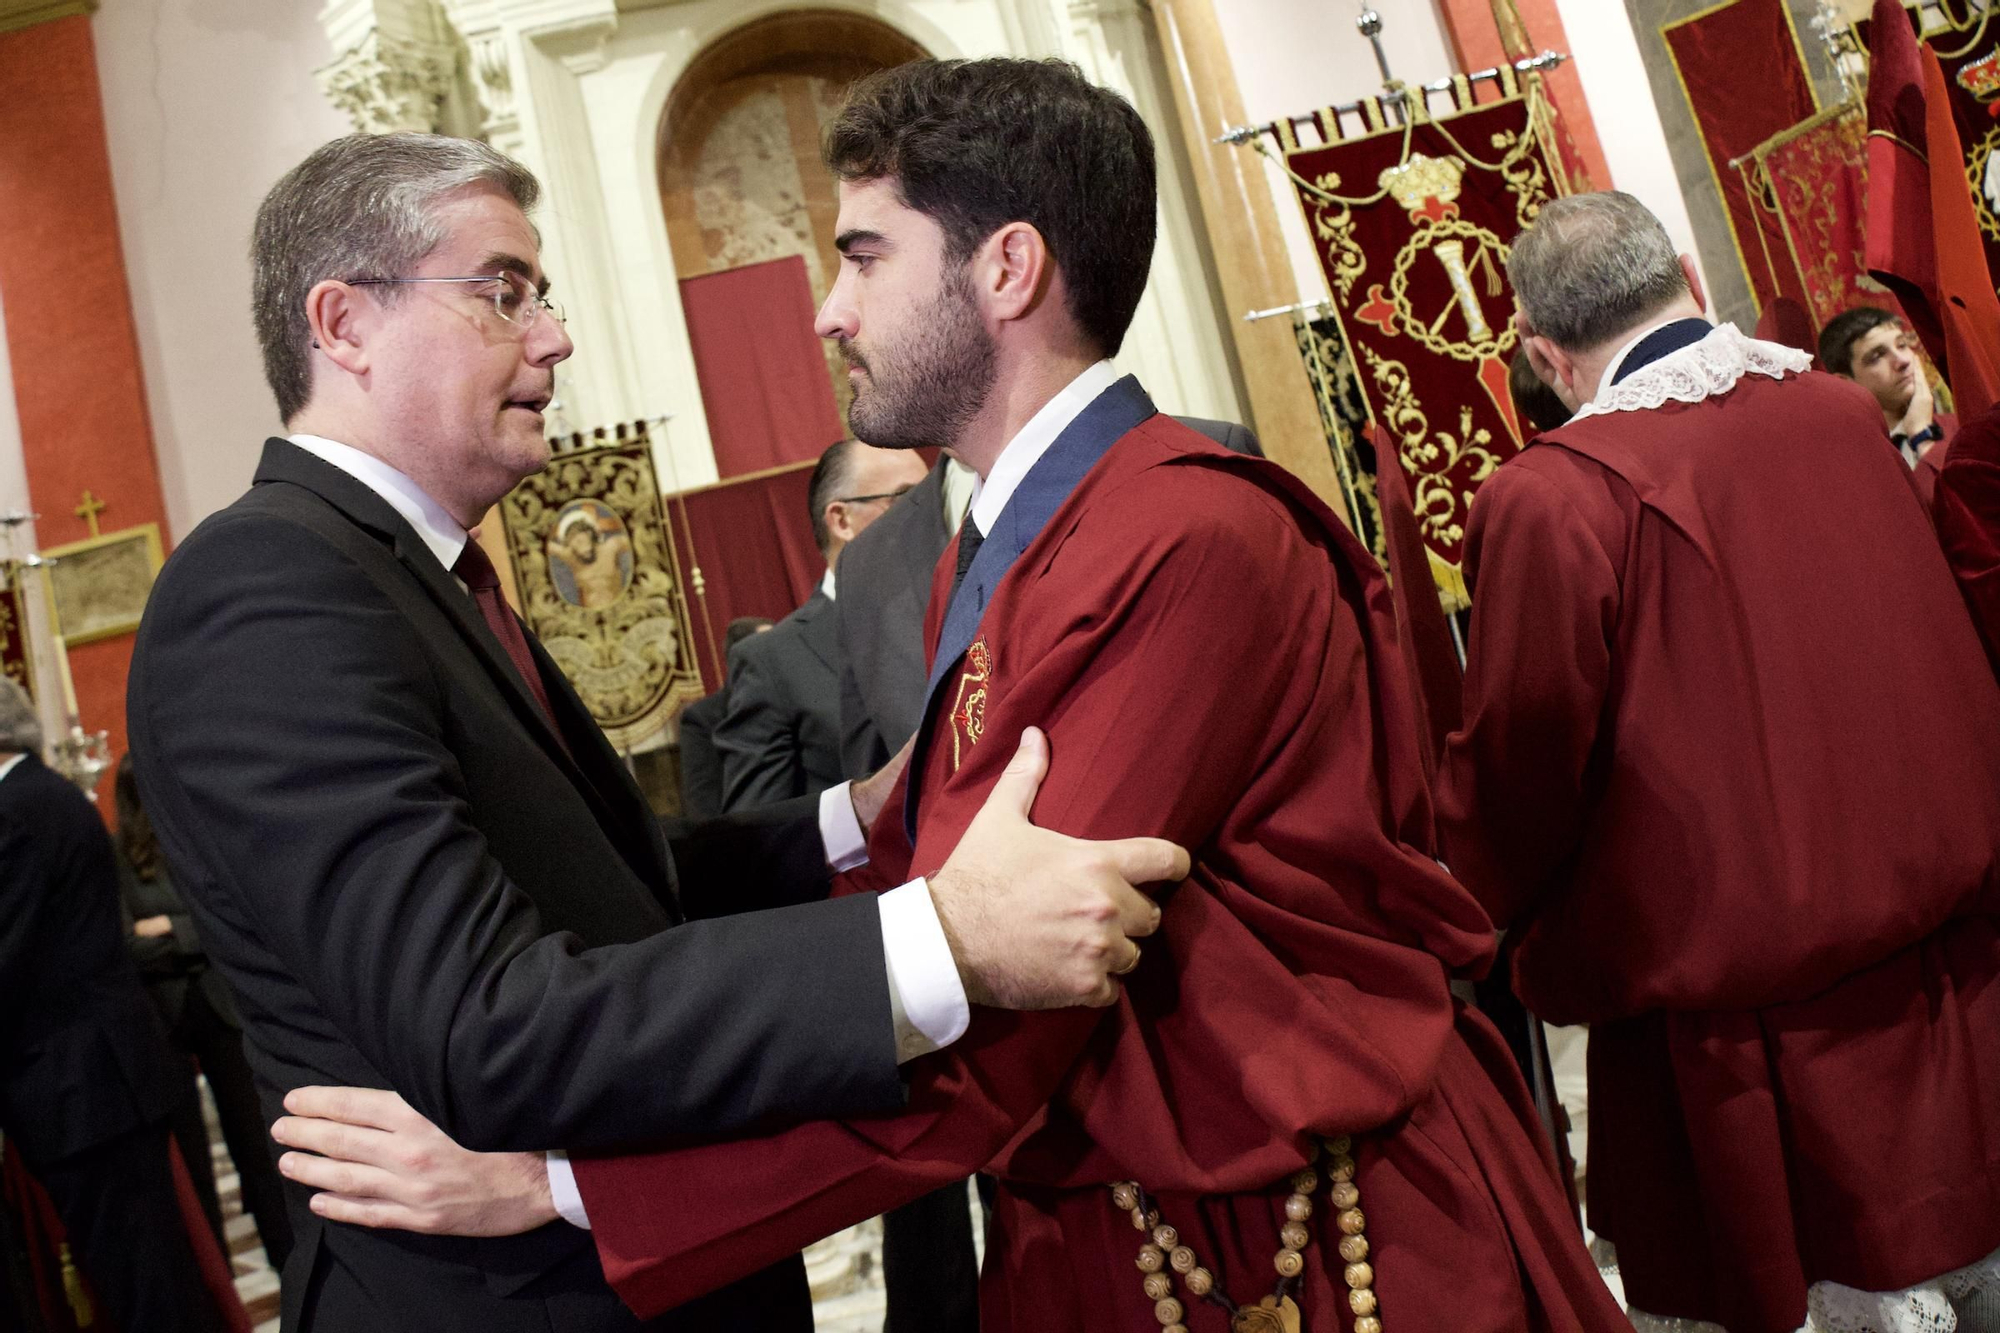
590,555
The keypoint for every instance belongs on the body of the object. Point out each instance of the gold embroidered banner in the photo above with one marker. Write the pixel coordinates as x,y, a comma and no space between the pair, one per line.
1412,225
16,664
600,585
1343,417
1813,179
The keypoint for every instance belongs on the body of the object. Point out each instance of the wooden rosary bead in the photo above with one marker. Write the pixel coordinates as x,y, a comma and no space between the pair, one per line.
1354,1248
1166,1237
1151,1259
1289,1263
1305,1182
1183,1328
1126,1196
1340,1145
1340,1168
1169,1311
1200,1281
1361,1301
1360,1275
1182,1259
1294,1235
1152,1218
1351,1222
1138,1220
1368,1324
1298,1207
1344,1194
1158,1286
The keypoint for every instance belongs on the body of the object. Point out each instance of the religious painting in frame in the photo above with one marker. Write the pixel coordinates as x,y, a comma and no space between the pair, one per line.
16,662
101,583
1412,225
599,583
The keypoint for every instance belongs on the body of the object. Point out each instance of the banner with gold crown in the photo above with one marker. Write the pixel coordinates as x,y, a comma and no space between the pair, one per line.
1967,45
1412,225
599,583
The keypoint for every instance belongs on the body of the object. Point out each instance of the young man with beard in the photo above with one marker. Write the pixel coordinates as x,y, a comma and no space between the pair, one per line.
1212,654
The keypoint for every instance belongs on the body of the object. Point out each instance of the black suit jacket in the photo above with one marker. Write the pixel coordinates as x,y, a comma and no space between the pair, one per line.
780,737
885,584
173,963
409,878
701,766
83,1055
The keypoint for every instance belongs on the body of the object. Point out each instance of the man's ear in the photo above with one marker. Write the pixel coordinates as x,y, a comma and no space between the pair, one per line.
340,319
1556,368
1693,276
1011,271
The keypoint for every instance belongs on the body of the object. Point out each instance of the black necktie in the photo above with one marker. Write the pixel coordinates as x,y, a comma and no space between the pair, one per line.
969,538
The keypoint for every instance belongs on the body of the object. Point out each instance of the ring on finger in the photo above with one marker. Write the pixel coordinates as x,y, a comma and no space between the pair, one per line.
1126,970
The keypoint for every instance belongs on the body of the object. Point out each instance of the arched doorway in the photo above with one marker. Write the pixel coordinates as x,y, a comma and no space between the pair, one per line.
741,179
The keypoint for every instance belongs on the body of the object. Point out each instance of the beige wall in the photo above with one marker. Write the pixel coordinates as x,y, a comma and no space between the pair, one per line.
206,103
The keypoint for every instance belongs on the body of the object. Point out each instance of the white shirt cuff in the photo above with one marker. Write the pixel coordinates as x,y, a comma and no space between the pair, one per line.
926,998
840,829
562,1188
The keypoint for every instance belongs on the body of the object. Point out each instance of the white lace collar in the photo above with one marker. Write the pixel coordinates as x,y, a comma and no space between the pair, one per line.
1707,369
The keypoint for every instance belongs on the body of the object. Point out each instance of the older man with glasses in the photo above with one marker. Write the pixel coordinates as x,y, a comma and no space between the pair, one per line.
417,859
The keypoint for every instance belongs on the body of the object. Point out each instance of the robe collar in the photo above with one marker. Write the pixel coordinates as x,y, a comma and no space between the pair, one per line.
1035,500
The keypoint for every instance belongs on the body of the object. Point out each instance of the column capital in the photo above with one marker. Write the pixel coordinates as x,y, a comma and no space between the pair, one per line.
16,14
397,65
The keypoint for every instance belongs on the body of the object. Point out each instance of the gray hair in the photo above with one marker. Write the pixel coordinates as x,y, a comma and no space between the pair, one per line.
20,729
359,207
1591,267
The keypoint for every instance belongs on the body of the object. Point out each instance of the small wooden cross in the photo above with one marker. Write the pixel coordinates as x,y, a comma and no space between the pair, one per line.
89,510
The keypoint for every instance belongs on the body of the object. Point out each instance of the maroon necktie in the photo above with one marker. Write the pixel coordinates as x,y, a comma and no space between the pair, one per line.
483,582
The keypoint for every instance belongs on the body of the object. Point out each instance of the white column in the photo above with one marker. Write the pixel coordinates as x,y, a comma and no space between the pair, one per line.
13,462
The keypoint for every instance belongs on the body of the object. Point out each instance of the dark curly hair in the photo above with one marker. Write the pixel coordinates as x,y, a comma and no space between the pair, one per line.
976,144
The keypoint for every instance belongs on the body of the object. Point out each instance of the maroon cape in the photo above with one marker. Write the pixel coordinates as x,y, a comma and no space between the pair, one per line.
1213,657
1731,771
1966,506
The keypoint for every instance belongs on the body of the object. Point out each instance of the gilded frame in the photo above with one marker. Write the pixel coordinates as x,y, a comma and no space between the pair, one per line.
96,586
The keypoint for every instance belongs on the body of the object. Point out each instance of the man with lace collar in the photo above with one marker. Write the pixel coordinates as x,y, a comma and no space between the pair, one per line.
1725,831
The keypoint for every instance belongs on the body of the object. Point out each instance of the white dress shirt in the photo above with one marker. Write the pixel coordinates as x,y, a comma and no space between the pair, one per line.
991,493
926,998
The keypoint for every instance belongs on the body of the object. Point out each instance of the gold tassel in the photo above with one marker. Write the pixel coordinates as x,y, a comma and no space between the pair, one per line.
79,1299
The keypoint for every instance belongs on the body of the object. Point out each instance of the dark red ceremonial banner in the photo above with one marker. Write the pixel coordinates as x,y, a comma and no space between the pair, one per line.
1968,51
1741,70
746,547
1412,230
761,368
1813,178
15,663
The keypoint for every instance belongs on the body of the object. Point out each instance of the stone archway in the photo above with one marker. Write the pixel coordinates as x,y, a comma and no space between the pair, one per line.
741,179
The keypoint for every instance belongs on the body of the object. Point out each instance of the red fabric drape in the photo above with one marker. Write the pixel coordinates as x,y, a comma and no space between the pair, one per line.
1740,68
1429,658
752,542
763,376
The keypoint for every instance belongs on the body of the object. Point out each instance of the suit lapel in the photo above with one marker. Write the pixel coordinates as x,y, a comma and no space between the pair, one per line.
1035,501
284,461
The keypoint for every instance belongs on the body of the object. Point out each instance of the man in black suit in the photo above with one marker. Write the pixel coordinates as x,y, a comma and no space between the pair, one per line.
88,1086
416,858
781,736
701,766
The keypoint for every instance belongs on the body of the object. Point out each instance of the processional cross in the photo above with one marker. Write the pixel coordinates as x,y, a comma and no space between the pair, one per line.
89,510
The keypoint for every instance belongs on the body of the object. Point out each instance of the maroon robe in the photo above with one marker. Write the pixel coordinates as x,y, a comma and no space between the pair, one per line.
1213,658
1731,772
1966,506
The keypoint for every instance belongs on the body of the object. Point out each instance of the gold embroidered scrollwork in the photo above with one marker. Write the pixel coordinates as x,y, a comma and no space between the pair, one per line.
1430,459
1345,259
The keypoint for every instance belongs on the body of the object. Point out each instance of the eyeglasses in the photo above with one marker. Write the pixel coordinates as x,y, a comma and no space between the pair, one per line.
896,494
514,297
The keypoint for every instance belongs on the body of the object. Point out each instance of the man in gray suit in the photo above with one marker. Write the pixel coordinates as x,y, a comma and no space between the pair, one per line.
780,737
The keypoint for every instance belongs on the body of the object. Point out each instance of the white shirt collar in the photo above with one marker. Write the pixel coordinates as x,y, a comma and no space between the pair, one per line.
826,583
438,530
991,494
10,765
1611,371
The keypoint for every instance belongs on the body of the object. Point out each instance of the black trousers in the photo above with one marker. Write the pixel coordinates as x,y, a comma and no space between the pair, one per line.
200,1033
928,1265
117,1203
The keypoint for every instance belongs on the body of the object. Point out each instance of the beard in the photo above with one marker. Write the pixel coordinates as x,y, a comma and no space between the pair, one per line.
926,388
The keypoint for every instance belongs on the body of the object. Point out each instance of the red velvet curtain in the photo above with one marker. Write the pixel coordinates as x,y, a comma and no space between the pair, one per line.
762,372
1740,67
751,541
